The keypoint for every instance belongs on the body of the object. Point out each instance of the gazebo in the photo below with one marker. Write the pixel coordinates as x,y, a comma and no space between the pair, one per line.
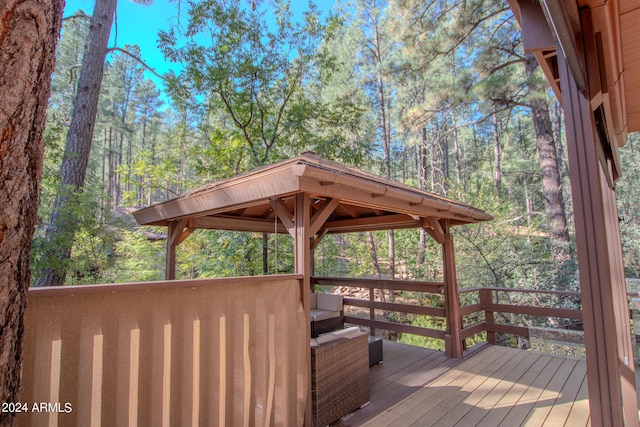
309,197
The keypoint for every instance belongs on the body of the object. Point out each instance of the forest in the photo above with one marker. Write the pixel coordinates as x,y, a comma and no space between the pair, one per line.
439,95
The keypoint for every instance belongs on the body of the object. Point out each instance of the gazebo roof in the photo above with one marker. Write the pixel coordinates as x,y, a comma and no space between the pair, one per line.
347,199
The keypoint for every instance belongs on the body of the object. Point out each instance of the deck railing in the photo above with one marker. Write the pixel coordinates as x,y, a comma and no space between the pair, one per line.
489,306
190,352
481,313
374,322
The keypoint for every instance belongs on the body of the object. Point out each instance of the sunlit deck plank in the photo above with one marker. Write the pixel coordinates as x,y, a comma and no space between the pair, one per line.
406,369
494,386
521,408
544,404
441,391
509,400
564,402
480,406
579,415
415,405
460,401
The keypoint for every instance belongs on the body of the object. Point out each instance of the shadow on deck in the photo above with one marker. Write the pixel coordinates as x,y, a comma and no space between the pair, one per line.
491,386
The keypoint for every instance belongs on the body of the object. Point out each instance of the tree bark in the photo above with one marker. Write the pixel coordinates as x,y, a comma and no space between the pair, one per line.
29,32
376,264
385,127
551,181
265,253
497,156
73,170
457,153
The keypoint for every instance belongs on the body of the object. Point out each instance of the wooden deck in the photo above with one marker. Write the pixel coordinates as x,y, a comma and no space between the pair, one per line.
491,386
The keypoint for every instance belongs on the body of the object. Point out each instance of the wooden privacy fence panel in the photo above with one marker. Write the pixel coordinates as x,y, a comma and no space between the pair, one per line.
183,353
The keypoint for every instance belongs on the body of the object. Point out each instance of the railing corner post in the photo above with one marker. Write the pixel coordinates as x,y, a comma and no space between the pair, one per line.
486,298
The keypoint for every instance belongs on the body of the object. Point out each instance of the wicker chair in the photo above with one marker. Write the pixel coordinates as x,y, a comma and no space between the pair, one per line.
339,376
326,313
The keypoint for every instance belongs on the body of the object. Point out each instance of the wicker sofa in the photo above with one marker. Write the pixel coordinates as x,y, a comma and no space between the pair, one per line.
326,313
339,374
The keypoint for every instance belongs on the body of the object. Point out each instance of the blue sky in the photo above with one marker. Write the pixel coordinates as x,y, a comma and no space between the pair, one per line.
139,24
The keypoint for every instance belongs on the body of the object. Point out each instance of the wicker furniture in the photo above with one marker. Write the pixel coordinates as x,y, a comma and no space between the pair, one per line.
375,351
339,375
326,313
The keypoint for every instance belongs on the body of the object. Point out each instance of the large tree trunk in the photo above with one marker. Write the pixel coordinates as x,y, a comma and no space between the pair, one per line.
385,128
29,32
551,181
497,156
78,146
456,149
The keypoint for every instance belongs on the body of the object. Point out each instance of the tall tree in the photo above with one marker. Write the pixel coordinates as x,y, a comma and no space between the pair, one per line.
61,229
550,170
375,48
249,75
28,34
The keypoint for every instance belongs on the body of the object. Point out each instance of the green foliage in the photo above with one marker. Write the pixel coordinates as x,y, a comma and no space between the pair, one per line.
249,92
629,205
69,54
93,241
245,78
208,253
138,258
430,322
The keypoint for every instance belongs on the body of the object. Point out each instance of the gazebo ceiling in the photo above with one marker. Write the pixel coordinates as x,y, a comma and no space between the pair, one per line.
343,199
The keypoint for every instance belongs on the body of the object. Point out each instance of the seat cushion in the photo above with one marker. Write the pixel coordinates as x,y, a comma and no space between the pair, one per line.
329,302
318,314
314,300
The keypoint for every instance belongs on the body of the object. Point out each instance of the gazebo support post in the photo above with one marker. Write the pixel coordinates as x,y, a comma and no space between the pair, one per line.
303,266
170,268
176,235
453,340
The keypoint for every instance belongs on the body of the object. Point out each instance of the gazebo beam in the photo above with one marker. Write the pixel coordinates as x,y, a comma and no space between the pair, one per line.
284,214
323,214
318,238
434,229
381,222
223,222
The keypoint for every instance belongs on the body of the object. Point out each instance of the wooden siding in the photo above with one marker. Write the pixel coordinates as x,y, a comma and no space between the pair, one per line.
194,352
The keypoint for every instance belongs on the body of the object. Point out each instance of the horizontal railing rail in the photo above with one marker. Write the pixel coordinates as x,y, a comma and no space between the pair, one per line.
393,285
397,285
484,305
490,308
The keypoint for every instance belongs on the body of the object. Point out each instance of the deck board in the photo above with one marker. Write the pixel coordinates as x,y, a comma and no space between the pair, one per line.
480,407
440,391
475,383
491,386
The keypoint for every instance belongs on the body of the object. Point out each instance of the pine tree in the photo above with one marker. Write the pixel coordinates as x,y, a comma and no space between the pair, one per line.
26,63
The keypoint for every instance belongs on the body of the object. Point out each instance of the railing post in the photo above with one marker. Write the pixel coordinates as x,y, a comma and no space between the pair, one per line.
486,298
372,311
